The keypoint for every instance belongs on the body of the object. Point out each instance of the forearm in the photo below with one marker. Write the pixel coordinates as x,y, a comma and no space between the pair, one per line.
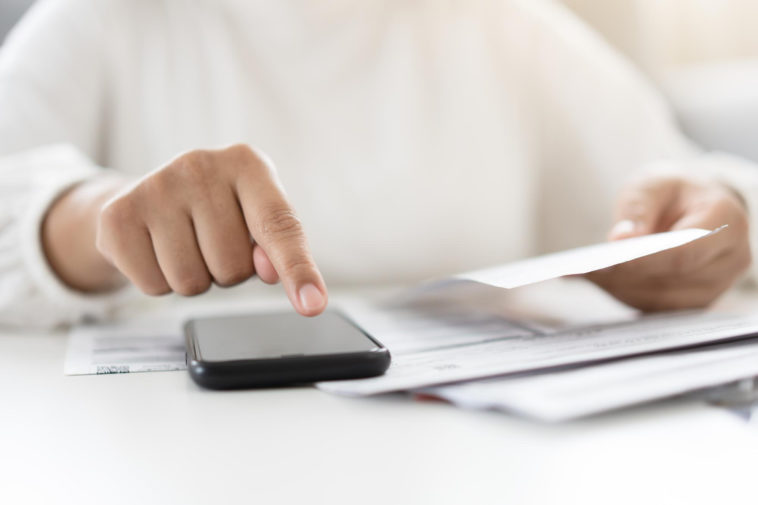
68,236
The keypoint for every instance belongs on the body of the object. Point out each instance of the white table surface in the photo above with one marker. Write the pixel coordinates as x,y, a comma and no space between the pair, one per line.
158,438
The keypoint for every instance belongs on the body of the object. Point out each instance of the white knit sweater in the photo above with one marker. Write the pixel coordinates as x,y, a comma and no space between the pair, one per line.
414,137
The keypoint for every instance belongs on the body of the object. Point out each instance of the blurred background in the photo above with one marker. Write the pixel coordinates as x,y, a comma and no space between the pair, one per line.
703,55
660,34
10,12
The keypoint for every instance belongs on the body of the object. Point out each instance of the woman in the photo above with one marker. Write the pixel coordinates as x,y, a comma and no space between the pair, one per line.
414,138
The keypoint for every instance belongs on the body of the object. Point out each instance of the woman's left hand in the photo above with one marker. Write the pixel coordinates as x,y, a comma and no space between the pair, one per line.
691,276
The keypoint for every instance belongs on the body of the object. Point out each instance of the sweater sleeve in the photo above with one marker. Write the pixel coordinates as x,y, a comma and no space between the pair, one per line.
600,122
742,176
51,96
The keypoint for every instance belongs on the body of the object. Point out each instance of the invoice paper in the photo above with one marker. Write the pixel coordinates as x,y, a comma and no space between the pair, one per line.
148,346
583,259
569,394
494,348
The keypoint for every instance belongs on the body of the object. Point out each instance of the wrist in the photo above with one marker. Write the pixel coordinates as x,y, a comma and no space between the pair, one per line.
68,236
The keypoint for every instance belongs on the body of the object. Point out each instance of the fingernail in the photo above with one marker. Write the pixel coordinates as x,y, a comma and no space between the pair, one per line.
311,298
625,227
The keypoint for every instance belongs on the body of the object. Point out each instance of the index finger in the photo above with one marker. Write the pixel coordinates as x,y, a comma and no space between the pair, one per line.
276,228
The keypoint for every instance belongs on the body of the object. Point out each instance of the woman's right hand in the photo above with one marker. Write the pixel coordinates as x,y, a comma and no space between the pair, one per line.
185,226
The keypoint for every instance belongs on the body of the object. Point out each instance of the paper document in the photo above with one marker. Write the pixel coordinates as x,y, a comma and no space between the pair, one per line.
564,395
582,260
475,353
124,348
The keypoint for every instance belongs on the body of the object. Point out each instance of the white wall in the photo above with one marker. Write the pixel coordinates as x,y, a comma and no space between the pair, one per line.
661,34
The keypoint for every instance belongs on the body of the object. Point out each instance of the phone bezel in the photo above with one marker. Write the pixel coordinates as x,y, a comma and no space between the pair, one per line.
288,370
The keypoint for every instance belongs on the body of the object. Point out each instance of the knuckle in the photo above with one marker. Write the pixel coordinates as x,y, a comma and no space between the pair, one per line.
725,207
646,183
192,284
190,177
116,213
194,167
298,265
251,164
154,288
280,222
159,186
242,155
233,274
105,245
112,221
241,152
632,204
643,191
248,155
196,157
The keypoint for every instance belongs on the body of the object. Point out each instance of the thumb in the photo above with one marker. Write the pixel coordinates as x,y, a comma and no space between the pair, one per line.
640,208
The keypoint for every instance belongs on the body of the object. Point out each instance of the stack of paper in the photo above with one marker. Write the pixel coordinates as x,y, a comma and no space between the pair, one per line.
554,374
568,394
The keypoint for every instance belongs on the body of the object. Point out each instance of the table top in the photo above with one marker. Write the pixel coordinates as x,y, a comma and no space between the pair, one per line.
158,438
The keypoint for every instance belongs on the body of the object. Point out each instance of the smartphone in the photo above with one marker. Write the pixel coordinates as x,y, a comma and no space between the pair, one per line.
279,349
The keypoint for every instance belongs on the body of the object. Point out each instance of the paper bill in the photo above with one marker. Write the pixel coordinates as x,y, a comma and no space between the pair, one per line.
570,394
123,348
483,355
582,260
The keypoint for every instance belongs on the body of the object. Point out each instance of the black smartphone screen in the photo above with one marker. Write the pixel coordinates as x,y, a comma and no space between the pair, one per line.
279,349
277,335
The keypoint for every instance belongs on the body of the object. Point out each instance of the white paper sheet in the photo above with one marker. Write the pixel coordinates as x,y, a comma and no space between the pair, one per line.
570,394
477,354
148,346
408,329
582,260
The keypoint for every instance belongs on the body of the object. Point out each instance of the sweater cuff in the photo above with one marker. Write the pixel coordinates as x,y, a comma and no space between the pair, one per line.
63,167
741,176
